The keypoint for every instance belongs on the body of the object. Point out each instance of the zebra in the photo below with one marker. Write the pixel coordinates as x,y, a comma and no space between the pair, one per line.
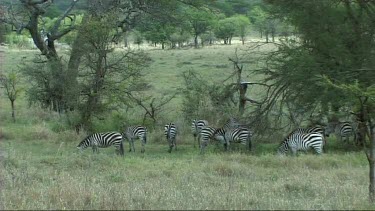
237,134
170,132
134,132
316,129
196,127
302,141
232,123
102,140
206,134
342,129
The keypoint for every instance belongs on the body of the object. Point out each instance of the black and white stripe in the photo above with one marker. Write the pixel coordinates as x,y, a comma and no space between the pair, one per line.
102,140
136,132
170,132
206,134
342,130
302,141
196,128
312,129
235,135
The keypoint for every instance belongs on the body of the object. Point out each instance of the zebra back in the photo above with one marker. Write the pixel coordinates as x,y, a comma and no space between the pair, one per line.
342,129
170,131
302,141
313,129
235,135
206,134
103,140
138,131
197,126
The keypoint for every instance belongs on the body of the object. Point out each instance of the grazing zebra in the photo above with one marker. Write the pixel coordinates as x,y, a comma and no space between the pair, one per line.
342,129
316,129
302,141
235,135
102,140
170,132
136,132
206,134
196,127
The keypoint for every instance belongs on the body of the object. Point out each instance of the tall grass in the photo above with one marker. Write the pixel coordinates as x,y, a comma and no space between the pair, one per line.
51,174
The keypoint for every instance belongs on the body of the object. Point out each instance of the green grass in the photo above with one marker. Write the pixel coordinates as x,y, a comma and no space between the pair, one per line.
42,169
45,171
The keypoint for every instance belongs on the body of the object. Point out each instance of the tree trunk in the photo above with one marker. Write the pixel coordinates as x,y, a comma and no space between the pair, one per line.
196,41
13,110
243,89
372,167
71,93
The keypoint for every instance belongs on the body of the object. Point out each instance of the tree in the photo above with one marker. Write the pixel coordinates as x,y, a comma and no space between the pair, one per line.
26,15
105,74
258,18
200,21
226,29
10,83
335,43
243,26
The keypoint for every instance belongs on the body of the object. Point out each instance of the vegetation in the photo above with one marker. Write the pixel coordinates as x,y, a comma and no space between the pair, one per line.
99,66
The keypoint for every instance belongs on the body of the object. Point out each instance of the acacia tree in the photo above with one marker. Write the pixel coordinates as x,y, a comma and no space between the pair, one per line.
336,42
25,15
200,22
10,83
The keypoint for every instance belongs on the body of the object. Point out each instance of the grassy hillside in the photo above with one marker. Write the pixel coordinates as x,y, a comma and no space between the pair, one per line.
42,169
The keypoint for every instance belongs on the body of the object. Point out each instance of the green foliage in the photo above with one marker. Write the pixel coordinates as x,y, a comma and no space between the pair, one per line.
52,11
229,27
138,38
195,103
3,32
18,41
323,48
226,29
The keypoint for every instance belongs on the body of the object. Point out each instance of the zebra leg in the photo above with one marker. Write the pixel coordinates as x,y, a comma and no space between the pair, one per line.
130,145
121,149
170,143
225,147
195,140
294,151
143,146
202,147
95,149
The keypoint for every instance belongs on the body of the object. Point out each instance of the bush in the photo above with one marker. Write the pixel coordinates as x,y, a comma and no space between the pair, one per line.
18,41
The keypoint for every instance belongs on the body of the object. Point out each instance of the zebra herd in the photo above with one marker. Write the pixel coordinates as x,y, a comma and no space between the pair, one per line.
231,132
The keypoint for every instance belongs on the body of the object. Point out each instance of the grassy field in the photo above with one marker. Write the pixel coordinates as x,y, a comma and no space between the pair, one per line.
41,168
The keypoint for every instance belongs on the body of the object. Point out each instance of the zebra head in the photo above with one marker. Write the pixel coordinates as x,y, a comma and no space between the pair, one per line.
80,147
283,147
330,128
84,143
